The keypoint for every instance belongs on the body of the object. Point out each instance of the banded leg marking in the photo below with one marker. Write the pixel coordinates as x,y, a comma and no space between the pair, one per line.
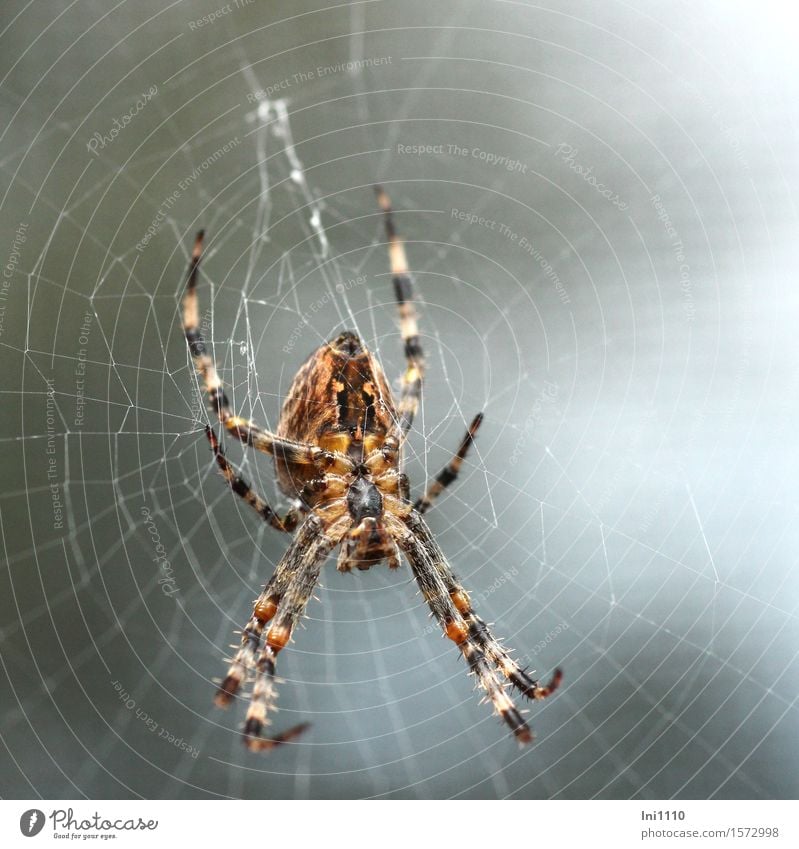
424,559
450,472
242,429
243,664
264,695
282,603
478,629
411,391
245,491
517,676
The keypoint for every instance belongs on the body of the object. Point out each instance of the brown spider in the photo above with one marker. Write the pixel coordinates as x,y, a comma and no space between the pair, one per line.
338,453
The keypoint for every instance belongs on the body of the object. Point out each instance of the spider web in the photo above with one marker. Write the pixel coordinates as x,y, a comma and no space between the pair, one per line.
626,511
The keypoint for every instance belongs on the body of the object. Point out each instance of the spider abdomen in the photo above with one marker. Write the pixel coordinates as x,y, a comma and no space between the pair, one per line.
340,401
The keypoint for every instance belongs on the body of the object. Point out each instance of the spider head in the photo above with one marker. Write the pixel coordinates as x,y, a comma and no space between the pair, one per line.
347,344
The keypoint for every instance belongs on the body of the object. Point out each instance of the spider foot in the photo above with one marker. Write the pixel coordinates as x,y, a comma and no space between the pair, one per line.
524,736
544,692
255,743
530,687
515,721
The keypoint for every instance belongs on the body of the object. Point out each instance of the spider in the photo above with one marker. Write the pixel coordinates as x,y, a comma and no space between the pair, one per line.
338,455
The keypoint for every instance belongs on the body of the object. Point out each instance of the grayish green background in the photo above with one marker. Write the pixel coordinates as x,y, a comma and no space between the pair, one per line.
630,511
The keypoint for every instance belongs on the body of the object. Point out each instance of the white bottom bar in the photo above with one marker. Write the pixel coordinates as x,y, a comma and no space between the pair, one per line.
466,824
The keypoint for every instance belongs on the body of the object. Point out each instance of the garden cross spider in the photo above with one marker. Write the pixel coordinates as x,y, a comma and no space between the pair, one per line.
338,454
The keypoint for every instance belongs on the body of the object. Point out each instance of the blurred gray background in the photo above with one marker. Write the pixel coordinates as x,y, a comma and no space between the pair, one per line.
599,207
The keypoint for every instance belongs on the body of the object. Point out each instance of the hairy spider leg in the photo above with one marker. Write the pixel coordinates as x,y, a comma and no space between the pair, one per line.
245,491
242,429
264,609
450,605
450,472
425,559
478,629
411,390
306,557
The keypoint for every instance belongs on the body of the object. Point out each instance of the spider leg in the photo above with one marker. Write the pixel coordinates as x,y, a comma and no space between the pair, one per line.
282,602
245,491
289,611
411,392
478,629
450,472
264,609
425,558
265,606
242,429
264,695
528,686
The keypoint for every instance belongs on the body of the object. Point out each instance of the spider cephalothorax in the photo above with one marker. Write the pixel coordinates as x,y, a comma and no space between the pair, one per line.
338,455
